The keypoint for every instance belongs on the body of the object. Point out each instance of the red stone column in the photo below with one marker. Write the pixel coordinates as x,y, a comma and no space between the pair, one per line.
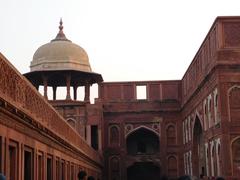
75,92
87,92
68,83
45,83
54,92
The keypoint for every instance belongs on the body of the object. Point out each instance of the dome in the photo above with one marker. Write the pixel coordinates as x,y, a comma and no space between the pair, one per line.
60,54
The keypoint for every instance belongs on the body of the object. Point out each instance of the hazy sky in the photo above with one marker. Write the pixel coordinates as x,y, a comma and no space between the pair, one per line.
125,39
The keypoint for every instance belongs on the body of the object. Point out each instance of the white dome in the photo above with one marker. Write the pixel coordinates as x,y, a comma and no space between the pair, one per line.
60,54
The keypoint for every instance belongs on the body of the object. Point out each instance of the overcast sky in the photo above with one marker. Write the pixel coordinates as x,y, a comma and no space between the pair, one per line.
125,39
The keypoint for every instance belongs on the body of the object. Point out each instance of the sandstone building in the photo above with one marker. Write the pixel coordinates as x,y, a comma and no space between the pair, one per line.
134,130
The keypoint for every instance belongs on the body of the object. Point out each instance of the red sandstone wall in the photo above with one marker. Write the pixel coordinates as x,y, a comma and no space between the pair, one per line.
126,91
220,47
214,67
19,93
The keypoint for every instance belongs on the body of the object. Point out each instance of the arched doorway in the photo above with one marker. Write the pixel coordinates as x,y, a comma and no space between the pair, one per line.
143,171
236,157
142,141
143,147
199,160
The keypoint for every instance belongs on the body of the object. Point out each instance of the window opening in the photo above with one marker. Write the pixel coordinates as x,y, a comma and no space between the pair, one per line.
141,92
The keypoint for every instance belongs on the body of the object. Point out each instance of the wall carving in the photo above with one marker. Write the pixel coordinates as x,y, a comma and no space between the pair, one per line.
231,34
18,92
129,128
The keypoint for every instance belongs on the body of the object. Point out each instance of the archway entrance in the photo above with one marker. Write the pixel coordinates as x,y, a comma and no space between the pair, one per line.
236,157
199,160
142,141
143,171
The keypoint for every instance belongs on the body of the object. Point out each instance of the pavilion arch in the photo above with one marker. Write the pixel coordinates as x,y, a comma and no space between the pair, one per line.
142,141
72,122
235,160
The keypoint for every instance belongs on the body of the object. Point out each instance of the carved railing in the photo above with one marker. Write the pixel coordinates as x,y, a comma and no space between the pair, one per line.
18,91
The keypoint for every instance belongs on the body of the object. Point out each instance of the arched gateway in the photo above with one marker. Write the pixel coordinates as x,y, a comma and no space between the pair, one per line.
143,171
142,148
199,164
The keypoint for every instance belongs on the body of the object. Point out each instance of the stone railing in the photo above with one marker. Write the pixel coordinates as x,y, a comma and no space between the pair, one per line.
18,91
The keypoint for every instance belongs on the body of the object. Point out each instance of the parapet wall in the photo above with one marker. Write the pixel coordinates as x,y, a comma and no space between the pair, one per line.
127,91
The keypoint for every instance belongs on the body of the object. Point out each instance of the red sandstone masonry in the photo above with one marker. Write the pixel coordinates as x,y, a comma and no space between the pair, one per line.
17,91
126,91
220,47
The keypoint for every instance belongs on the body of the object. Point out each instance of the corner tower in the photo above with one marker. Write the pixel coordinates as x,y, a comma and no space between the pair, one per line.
61,63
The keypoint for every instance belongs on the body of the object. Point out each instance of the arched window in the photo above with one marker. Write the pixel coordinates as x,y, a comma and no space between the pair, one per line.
206,124
209,111
114,135
172,167
236,156
171,135
234,103
114,168
71,122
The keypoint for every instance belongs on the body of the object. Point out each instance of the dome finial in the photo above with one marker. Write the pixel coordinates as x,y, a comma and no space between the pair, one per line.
60,36
60,25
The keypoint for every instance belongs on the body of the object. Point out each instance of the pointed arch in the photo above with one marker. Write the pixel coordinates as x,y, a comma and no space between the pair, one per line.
197,116
198,162
140,127
72,122
142,141
171,134
234,103
114,168
114,135
235,155
172,165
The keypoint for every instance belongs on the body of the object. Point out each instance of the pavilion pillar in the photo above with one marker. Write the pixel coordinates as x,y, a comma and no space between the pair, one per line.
75,92
54,92
45,84
68,83
87,92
